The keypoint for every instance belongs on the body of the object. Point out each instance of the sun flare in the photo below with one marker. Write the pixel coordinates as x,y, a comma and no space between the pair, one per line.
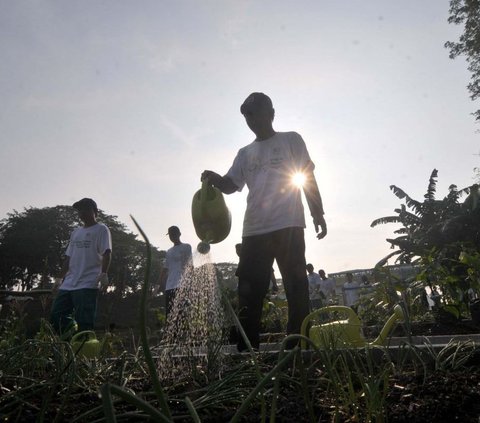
298,179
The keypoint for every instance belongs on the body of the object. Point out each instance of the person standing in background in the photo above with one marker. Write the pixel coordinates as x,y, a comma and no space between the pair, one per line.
178,262
327,287
84,271
350,291
314,288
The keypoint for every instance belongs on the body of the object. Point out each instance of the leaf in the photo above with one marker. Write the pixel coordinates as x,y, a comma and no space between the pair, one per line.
383,220
452,309
415,205
384,261
432,186
402,241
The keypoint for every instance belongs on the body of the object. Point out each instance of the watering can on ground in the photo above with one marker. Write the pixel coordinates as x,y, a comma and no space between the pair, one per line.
85,344
211,218
345,333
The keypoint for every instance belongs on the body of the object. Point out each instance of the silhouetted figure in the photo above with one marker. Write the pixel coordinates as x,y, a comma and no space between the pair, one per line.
273,279
314,288
274,222
178,261
84,271
351,291
327,287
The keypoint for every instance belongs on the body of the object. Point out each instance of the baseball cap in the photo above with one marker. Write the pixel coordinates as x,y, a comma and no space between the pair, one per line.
173,230
86,203
256,101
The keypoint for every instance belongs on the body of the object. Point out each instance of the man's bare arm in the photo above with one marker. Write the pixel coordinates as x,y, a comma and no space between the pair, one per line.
162,280
103,276
106,259
65,266
223,183
63,272
314,201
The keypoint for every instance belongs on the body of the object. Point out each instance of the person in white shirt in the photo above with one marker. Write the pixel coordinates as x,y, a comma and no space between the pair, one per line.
327,287
274,222
314,288
178,264
351,292
84,271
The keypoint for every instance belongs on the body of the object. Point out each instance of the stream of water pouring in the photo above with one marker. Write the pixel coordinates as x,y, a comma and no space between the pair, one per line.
194,333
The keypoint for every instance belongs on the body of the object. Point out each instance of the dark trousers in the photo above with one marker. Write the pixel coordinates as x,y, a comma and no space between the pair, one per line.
315,304
78,306
287,247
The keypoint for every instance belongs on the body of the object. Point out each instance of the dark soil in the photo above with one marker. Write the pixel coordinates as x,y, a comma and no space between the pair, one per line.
430,396
441,397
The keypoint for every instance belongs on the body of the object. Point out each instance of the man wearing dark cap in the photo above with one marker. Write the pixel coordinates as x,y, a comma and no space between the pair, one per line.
84,270
273,227
178,262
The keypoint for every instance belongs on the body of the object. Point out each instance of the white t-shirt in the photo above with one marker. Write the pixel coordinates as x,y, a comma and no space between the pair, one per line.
86,249
178,259
267,167
327,286
351,293
314,285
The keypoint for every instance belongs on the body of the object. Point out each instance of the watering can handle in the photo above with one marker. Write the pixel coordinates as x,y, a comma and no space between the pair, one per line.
90,333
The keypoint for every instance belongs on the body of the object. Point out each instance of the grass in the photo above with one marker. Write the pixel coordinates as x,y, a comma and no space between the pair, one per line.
45,380
42,379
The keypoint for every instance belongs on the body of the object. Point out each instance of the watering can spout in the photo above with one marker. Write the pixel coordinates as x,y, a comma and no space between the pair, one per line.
203,247
211,217
398,314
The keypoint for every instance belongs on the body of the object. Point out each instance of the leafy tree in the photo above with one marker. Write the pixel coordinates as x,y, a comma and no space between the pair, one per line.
433,224
127,269
417,219
467,12
33,242
436,234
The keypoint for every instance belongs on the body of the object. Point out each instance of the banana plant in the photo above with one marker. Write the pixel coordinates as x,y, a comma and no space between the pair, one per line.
433,235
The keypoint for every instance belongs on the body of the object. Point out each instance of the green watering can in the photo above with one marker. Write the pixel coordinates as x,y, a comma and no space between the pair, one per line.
211,218
85,344
345,333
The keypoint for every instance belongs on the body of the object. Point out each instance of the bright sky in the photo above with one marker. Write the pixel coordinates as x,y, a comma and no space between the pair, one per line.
128,102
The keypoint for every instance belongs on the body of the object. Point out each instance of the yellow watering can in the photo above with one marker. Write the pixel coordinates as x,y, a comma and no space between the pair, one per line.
211,217
85,344
345,333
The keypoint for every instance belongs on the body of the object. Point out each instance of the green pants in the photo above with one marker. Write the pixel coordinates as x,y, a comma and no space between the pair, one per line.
78,306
